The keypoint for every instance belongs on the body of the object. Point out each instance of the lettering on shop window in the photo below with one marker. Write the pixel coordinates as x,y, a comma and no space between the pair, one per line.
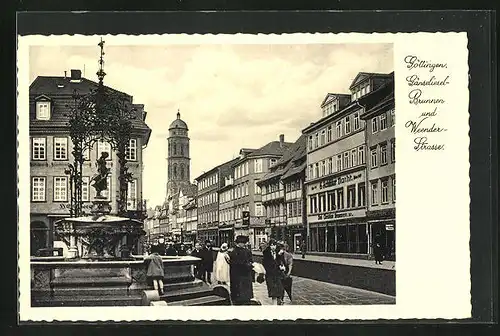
339,180
334,215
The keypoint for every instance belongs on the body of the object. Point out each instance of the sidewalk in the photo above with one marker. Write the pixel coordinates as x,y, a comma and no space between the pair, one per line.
388,265
357,273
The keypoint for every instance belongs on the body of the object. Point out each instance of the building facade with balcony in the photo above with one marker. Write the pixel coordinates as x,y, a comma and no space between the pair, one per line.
250,168
381,168
336,169
50,98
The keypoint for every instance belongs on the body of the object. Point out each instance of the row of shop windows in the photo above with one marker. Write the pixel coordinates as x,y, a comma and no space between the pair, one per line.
340,239
335,200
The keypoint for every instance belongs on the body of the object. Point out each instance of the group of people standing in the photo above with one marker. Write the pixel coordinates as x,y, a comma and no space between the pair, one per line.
236,269
233,268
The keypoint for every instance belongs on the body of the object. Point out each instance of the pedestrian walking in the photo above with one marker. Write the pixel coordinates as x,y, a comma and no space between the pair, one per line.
288,263
155,272
303,247
222,265
240,272
378,249
198,267
275,272
207,262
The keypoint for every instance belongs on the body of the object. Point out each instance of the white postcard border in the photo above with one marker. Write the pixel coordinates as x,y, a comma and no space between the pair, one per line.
433,261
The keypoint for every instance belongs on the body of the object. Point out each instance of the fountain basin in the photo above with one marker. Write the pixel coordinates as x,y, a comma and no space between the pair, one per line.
57,282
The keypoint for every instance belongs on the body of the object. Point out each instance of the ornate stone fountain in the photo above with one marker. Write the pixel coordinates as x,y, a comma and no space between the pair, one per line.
99,236
100,271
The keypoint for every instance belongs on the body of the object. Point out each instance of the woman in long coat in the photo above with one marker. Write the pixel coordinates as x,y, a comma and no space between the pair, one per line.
274,264
240,272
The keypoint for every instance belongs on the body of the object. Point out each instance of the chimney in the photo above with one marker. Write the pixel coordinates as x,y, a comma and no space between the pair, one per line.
65,74
282,139
76,75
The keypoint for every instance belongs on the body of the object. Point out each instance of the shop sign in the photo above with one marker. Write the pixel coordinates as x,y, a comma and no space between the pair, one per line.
333,215
67,206
389,227
339,180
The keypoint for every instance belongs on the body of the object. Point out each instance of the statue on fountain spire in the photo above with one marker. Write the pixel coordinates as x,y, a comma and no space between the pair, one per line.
101,178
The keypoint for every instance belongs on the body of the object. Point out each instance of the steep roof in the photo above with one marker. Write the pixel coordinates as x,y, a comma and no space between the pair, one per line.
60,90
361,76
287,161
331,96
272,148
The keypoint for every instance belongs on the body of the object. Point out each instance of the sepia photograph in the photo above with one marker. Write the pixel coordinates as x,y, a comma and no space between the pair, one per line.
211,177
212,174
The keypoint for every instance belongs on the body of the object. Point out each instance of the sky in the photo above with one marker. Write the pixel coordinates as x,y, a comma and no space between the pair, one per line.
231,96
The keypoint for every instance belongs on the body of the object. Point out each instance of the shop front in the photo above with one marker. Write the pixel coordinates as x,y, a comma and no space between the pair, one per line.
293,237
343,233
382,228
226,235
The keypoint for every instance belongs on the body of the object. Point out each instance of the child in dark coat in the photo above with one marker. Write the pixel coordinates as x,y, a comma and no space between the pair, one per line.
155,270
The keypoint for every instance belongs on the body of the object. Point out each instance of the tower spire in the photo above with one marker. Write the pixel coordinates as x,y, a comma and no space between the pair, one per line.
178,114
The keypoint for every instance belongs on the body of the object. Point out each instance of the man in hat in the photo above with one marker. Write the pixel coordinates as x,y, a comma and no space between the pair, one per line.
207,262
240,272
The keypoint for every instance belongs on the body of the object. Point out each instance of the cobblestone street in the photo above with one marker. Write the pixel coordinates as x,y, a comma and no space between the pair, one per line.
312,292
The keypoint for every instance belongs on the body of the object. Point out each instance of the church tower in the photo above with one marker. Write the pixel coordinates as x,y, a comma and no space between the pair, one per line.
178,157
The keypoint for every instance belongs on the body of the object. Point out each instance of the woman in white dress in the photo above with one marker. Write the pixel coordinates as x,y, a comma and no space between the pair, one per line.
222,265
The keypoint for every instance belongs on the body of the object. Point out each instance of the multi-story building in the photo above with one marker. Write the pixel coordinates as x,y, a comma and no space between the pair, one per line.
226,203
226,211
208,206
51,148
189,233
336,169
284,179
162,220
295,196
381,145
209,184
252,166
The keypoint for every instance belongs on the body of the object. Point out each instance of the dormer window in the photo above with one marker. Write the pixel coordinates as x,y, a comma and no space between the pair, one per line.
332,107
360,91
43,110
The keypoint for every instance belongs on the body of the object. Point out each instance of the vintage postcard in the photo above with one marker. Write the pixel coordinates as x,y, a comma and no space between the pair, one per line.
172,177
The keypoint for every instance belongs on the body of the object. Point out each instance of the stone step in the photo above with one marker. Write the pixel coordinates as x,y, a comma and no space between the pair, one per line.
88,301
101,291
211,300
169,287
92,281
186,294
